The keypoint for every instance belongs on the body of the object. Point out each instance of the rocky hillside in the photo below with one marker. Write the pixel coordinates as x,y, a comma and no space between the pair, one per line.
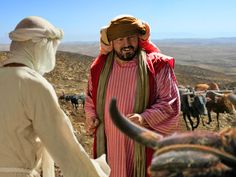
71,73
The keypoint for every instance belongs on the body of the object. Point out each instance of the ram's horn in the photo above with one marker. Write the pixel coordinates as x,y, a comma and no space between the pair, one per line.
139,134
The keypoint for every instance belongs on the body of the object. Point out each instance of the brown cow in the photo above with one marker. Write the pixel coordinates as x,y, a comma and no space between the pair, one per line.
201,87
218,103
205,87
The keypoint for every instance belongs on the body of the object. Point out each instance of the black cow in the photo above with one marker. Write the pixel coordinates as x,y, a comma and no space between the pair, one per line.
192,105
73,98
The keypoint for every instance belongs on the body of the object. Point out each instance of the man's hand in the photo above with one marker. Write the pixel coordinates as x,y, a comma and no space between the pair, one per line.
90,125
138,119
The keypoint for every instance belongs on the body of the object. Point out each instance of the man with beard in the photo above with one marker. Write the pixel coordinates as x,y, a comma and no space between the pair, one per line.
31,120
131,69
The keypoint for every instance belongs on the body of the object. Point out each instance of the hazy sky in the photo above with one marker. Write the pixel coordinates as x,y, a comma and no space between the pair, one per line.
82,20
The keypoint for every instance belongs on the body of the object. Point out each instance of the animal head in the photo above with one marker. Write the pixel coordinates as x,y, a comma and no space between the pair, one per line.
192,154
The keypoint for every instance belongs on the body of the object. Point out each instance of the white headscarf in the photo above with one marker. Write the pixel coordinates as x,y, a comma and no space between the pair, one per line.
34,44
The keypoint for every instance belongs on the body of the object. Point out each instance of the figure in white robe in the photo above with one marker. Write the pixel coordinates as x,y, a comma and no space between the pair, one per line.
32,124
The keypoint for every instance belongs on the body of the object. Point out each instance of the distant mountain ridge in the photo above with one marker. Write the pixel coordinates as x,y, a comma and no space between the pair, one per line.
216,54
206,41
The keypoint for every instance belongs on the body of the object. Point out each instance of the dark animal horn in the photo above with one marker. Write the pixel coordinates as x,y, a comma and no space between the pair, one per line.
232,98
139,134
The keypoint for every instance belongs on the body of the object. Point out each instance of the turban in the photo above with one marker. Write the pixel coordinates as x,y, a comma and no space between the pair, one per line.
123,26
34,44
144,35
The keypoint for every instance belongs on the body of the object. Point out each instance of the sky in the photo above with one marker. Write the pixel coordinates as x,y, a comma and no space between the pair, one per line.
82,20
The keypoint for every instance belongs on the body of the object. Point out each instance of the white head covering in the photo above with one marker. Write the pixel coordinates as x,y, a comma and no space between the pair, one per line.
34,44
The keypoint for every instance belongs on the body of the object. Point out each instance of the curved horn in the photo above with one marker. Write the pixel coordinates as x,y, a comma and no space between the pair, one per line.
216,93
139,134
232,98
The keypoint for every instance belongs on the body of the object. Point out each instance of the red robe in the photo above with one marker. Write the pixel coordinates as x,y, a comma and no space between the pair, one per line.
155,60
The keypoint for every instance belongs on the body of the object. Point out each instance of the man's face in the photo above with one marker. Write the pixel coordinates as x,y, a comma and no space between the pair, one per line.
126,47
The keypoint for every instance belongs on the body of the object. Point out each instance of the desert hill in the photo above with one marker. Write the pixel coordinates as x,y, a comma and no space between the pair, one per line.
72,69
76,69
216,54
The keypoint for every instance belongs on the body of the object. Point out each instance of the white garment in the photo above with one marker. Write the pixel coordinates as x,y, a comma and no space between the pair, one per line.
29,109
35,44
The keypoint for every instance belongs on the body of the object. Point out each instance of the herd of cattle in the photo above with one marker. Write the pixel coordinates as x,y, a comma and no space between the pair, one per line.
75,99
196,103
191,153
201,100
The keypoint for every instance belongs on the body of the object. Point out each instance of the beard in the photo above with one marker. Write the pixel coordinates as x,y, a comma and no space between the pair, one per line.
126,53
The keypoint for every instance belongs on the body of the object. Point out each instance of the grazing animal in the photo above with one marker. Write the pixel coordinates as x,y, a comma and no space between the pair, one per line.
188,154
201,87
218,103
192,105
72,98
205,87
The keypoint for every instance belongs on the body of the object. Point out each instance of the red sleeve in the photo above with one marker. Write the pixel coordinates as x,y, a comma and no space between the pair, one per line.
163,114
